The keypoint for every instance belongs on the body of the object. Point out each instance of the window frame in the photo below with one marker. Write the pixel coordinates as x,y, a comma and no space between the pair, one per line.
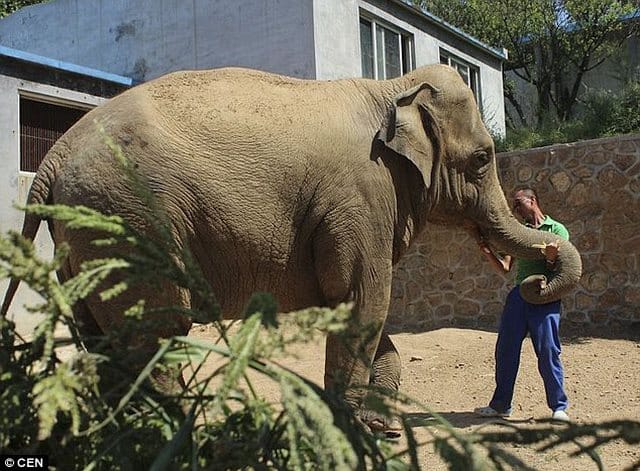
473,72
44,100
405,41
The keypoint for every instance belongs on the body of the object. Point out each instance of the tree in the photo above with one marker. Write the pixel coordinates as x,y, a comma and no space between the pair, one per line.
552,44
9,6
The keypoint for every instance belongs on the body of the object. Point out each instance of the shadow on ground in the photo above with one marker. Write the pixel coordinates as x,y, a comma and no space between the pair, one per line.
570,333
459,419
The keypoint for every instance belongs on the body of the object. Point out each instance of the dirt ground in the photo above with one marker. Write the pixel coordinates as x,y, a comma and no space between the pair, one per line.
451,371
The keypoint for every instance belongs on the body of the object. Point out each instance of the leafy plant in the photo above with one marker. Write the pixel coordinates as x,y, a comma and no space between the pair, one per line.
602,114
9,6
552,45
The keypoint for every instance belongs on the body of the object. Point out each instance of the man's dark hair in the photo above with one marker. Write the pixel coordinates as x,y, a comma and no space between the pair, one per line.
528,191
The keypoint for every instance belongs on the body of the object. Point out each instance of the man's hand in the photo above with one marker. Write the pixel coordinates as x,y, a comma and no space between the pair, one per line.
484,247
551,252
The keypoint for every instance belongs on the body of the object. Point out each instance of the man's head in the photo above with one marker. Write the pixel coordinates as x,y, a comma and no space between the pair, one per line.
526,204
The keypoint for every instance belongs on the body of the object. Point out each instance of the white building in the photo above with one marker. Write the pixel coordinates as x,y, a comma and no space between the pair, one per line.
315,39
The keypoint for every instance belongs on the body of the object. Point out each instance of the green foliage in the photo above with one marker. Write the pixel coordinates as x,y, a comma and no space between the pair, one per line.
625,117
86,411
603,114
9,6
552,44
56,407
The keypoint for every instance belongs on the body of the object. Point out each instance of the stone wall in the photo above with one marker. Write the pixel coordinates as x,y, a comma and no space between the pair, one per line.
593,187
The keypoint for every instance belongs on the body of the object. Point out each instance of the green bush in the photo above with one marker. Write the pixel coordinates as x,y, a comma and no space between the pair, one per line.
625,117
603,114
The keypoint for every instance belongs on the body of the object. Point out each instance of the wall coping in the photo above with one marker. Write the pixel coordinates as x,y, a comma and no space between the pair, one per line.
586,142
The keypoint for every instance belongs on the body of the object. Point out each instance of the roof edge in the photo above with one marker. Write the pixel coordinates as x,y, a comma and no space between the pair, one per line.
65,66
501,54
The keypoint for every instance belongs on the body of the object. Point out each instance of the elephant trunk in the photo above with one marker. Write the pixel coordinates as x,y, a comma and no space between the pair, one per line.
512,237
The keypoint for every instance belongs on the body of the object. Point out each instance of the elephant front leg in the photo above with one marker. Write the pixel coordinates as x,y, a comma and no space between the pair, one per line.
350,354
353,260
385,374
386,365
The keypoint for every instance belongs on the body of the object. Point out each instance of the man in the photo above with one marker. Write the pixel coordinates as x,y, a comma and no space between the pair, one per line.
541,321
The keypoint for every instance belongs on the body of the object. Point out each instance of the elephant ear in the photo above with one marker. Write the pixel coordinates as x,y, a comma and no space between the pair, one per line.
411,131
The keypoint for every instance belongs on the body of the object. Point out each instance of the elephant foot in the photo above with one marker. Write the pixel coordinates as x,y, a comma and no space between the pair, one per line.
389,427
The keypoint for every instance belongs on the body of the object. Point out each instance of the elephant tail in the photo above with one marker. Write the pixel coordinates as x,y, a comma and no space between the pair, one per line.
40,193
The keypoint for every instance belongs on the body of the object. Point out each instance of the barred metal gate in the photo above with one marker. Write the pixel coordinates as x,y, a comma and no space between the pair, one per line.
41,124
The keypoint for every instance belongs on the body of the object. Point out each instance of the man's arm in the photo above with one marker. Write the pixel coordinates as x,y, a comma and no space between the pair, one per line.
551,250
501,264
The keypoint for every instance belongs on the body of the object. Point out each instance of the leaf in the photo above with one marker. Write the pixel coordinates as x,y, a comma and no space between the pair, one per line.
172,448
242,347
265,304
183,354
312,419
54,394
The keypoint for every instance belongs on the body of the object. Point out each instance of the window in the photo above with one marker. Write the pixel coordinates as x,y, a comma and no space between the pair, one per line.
469,73
386,52
41,124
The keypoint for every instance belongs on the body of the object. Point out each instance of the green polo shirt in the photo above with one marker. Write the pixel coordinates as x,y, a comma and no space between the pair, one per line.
525,268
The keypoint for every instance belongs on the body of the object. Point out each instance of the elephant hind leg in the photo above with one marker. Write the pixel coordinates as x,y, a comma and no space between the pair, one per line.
90,332
132,343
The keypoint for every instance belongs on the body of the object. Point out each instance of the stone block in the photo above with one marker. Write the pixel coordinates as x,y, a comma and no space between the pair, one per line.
596,158
493,309
595,282
413,291
600,317
628,146
587,242
466,286
619,279
444,311
577,317
585,302
542,175
466,308
524,174
634,184
632,296
560,181
611,178
624,162
611,299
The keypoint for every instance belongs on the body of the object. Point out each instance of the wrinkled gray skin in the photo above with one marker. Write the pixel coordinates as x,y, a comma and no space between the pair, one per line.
309,190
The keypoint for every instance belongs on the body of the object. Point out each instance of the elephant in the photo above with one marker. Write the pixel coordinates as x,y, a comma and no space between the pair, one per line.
311,190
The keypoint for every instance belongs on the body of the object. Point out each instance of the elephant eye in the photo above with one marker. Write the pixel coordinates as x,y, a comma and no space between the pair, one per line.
482,158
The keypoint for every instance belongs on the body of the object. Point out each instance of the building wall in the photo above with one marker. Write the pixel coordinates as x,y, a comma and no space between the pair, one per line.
593,187
14,184
144,39
337,39
320,39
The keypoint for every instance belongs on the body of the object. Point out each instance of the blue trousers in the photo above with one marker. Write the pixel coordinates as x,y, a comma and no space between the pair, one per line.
542,322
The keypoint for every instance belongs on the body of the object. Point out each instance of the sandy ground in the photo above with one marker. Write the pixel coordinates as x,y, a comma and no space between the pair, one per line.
451,371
